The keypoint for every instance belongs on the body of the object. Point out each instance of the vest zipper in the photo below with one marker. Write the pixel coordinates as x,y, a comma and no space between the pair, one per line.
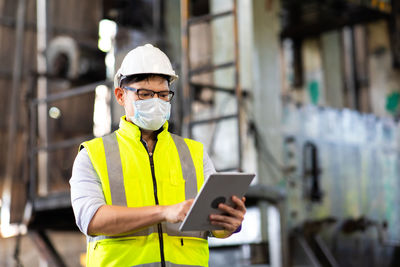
159,227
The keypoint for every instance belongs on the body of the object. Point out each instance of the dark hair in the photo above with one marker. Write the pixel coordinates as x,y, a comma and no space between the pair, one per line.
141,77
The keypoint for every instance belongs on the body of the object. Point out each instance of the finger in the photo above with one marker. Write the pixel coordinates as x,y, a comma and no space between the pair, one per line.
229,210
188,204
227,226
234,222
233,212
239,203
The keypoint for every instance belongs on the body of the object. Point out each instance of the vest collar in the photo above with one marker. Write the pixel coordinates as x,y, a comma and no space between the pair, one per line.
131,130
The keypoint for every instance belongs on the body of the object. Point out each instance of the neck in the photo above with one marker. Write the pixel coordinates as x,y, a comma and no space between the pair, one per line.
148,135
150,138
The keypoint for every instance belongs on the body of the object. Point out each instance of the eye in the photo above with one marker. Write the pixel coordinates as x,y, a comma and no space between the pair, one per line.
164,94
145,93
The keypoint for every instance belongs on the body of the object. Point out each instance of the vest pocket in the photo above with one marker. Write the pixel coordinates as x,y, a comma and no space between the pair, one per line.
124,251
112,241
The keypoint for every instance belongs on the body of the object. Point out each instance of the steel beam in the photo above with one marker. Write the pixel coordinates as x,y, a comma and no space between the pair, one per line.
214,88
216,119
210,68
42,91
238,86
70,93
46,248
13,116
185,114
209,17
62,144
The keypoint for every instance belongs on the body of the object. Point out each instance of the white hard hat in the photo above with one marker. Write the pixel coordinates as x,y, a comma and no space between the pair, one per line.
145,59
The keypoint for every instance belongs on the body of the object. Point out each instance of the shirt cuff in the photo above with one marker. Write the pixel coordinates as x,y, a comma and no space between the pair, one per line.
238,229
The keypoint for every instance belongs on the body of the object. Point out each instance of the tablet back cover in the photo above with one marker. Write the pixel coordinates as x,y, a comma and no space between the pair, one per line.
219,188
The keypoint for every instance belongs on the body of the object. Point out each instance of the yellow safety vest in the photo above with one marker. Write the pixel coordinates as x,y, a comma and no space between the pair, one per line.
130,176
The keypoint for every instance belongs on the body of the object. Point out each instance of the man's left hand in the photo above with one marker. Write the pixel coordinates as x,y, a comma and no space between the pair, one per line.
232,217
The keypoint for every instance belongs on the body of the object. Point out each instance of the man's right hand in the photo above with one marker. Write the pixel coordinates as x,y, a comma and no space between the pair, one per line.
177,213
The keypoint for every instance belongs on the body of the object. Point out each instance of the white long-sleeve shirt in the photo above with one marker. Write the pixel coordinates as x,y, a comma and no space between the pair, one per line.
86,191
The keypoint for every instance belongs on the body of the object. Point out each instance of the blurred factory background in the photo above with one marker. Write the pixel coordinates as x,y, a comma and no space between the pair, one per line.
306,94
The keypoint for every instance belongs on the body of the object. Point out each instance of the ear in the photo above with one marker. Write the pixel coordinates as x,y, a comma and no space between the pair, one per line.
119,95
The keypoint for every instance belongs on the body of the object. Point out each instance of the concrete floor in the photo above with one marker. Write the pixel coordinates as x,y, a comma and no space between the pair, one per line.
69,245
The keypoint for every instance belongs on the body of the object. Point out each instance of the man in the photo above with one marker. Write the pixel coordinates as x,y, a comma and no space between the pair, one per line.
132,188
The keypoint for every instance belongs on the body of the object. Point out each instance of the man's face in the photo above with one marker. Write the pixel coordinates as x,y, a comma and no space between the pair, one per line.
125,97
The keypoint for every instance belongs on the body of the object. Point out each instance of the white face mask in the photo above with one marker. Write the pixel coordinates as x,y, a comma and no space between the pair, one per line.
150,114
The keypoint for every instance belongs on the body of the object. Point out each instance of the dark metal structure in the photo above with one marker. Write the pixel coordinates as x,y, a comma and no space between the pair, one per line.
312,18
52,211
21,30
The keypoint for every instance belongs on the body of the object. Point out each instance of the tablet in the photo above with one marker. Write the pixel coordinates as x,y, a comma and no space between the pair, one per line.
219,188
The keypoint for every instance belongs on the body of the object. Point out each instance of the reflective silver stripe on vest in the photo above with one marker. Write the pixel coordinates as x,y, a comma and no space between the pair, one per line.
167,264
190,177
172,229
114,170
188,169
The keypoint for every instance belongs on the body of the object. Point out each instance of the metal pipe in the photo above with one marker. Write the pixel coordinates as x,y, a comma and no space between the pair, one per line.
214,88
62,144
10,22
211,120
274,236
71,92
308,251
14,114
156,20
32,155
354,71
209,17
41,36
237,83
47,249
349,68
185,115
209,68
325,250
227,169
